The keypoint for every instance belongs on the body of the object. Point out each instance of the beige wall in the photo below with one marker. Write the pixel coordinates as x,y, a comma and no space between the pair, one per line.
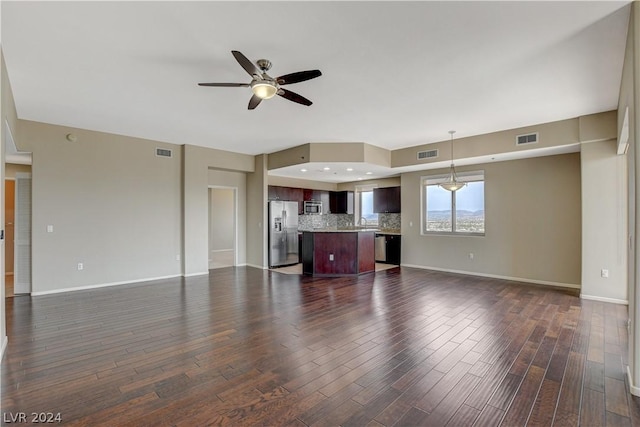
114,206
382,182
196,165
533,224
11,169
629,98
301,183
8,115
221,219
257,182
237,181
564,133
604,222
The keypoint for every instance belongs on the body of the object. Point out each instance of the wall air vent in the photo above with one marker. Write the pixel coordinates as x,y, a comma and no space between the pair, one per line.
430,154
163,152
530,138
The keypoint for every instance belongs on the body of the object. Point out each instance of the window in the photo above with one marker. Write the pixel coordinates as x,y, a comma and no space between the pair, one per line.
452,212
364,206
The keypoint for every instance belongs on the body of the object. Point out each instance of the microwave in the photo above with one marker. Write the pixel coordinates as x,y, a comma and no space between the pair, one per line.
312,207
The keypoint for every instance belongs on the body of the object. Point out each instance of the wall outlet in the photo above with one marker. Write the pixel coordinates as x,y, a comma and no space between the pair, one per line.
604,272
49,228
80,266
470,255
330,257
178,257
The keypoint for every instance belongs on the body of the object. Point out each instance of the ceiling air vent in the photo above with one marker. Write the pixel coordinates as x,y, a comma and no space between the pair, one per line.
530,138
163,152
430,154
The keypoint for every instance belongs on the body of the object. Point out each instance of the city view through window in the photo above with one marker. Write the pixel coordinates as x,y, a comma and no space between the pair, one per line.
469,209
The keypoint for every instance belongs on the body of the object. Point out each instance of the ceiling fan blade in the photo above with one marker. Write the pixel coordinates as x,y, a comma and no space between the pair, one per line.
298,77
254,101
225,84
292,96
246,64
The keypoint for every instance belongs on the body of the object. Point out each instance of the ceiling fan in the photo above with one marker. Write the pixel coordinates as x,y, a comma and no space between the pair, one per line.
265,86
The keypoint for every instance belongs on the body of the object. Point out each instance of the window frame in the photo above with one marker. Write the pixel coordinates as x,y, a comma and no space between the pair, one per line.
425,181
359,189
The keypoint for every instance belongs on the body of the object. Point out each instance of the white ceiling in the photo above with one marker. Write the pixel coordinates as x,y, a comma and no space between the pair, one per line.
395,74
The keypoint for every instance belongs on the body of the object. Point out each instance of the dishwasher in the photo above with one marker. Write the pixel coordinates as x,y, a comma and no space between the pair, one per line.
381,248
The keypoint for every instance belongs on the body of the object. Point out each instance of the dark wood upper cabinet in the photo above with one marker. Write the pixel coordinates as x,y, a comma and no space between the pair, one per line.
341,202
288,194
318,196
386,200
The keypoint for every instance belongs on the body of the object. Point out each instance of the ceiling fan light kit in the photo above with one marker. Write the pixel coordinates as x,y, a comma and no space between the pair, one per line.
264,90
264,86
452,183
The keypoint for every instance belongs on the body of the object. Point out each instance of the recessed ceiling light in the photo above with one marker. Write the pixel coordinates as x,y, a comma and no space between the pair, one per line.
359,178
326,168
349,169
369,173
303,170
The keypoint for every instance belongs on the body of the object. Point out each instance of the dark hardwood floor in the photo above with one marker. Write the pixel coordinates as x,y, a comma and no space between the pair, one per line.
401,347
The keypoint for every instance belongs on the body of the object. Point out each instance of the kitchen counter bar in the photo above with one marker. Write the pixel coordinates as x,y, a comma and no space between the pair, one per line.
390,231
342,252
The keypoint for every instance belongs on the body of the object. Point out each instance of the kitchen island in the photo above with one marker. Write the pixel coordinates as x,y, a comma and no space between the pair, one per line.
338,252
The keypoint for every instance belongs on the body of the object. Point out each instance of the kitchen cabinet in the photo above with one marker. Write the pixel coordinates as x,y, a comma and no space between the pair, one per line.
341,202
390,251
318,196
386,200
290,194
338,253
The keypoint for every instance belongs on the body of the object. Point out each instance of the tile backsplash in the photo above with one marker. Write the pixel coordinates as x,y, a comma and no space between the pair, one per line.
389,221
309,222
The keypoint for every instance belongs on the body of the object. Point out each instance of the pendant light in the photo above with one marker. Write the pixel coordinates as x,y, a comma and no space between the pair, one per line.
452,183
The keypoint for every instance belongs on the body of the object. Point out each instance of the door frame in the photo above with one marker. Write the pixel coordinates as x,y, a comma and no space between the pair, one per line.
235,219
16,252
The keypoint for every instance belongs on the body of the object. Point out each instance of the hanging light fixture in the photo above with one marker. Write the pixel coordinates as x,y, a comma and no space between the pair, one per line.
452,183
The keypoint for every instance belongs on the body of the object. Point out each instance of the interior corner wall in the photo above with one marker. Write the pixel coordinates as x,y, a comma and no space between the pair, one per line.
197,163
105,201
629,97
257,183
532,224
604,222
8,119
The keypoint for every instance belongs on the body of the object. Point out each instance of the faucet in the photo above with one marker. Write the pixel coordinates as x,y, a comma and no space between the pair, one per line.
363,221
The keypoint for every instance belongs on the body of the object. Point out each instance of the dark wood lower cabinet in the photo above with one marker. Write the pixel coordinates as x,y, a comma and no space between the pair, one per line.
337,253
392,244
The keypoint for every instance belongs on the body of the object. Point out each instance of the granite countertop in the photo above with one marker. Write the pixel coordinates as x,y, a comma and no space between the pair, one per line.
353,230
389,231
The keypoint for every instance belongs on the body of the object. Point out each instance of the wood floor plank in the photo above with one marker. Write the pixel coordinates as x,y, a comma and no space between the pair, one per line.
593,408
244,346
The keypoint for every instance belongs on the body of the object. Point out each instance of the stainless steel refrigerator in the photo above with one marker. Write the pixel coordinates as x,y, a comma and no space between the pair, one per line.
283,233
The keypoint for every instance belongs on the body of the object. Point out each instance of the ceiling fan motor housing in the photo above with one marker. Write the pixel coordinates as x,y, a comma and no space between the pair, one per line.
264,64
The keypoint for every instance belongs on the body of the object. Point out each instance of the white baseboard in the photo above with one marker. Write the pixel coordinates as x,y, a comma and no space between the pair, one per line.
261,267
104,285
5,342
635,390
202,273
496,276
604,299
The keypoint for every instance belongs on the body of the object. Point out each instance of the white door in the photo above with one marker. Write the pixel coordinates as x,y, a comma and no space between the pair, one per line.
22,229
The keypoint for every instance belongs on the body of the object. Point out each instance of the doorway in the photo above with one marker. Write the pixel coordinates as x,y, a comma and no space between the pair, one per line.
222,227
9,219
